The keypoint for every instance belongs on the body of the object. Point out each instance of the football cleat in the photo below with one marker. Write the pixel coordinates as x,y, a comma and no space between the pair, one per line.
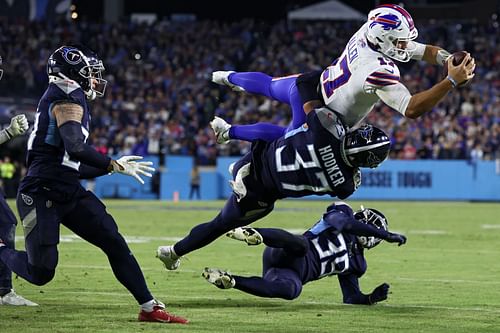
218,278
222,78
246,234
168,257
221,129
160,315
16,300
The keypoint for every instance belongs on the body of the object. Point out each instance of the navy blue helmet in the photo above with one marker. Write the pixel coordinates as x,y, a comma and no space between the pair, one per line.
79,64
366,147
375,218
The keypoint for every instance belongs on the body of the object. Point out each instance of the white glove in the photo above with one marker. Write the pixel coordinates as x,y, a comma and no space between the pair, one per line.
18,125
127,165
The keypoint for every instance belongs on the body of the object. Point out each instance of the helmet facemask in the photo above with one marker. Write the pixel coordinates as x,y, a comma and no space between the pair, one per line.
374,218
93,73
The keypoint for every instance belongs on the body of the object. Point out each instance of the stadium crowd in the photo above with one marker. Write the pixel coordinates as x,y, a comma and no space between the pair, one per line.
159,98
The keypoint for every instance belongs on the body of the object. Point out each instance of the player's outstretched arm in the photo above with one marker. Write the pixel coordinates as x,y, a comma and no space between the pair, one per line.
18,125
424,101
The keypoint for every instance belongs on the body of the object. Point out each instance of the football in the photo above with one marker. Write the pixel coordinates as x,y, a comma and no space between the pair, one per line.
456,59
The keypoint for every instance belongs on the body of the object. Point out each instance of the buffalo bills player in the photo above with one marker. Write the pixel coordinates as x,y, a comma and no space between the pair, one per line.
51,194
333,246
18,125
362,75
317,158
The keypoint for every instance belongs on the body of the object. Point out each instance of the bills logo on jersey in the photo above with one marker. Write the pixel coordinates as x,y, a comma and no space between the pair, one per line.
388,21
72,56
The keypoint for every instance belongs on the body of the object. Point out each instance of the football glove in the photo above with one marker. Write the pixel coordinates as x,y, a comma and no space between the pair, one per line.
379,294
129,166
18,125
396,238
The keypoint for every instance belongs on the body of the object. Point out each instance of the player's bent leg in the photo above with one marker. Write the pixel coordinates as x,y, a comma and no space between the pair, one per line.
219,278
276,283
234,214
293,245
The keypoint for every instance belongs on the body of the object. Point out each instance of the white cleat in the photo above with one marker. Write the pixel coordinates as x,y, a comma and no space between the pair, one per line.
221,129
218,278
246,234
222,78
15,300
168,257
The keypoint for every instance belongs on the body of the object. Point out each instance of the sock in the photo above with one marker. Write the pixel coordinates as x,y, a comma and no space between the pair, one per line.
149,305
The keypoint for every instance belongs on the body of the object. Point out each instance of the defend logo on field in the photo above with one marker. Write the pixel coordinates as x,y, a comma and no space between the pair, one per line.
27,199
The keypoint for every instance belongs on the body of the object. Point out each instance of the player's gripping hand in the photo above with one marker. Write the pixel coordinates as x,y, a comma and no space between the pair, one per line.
462,72
379,294
396,238
18,125
129,166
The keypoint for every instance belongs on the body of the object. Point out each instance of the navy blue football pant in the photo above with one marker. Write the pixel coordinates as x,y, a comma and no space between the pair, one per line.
42,208
282,263
7,234
251,208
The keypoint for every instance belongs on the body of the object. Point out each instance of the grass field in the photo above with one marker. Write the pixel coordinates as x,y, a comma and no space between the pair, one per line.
445,279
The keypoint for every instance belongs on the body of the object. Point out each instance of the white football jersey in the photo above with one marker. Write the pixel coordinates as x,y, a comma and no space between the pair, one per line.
361,76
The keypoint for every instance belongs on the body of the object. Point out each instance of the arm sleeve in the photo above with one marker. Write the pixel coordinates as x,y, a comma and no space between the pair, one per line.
349,224
419,50
89,172
73,138
350,290
396,96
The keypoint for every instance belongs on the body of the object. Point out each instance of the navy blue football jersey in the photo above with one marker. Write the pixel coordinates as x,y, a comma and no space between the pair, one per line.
306,161
46,156
332,251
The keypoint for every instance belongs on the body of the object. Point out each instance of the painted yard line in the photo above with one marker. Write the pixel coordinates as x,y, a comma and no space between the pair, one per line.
182,270
210,299
448,280
490,226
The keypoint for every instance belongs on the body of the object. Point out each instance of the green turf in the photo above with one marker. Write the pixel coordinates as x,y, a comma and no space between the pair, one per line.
446,279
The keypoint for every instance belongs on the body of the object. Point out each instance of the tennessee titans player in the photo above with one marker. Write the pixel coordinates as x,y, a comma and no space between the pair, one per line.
18,126
51,194
318,158
333,246
363,74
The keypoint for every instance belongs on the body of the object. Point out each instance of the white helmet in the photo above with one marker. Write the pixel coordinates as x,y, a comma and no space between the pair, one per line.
387,26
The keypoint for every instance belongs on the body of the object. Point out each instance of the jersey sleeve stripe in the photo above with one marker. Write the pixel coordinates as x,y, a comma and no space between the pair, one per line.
381,82
384,76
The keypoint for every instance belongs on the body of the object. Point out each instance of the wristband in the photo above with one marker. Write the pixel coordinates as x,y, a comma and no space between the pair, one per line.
452,80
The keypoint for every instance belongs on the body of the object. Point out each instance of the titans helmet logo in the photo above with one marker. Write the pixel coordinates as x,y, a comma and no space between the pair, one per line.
366,133
72,56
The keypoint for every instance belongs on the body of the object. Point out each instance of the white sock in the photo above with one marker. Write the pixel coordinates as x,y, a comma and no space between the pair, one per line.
148,306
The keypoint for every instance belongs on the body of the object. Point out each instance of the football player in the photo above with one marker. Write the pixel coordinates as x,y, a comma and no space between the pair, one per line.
333,246
18,126
317,158
363,74
51,194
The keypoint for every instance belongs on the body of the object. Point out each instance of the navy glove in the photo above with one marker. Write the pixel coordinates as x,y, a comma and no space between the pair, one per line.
378,294
396,238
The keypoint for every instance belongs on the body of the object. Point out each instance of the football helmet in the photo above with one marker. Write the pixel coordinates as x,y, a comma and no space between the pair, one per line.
391,30
365,147
81,65
1,70
375,218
